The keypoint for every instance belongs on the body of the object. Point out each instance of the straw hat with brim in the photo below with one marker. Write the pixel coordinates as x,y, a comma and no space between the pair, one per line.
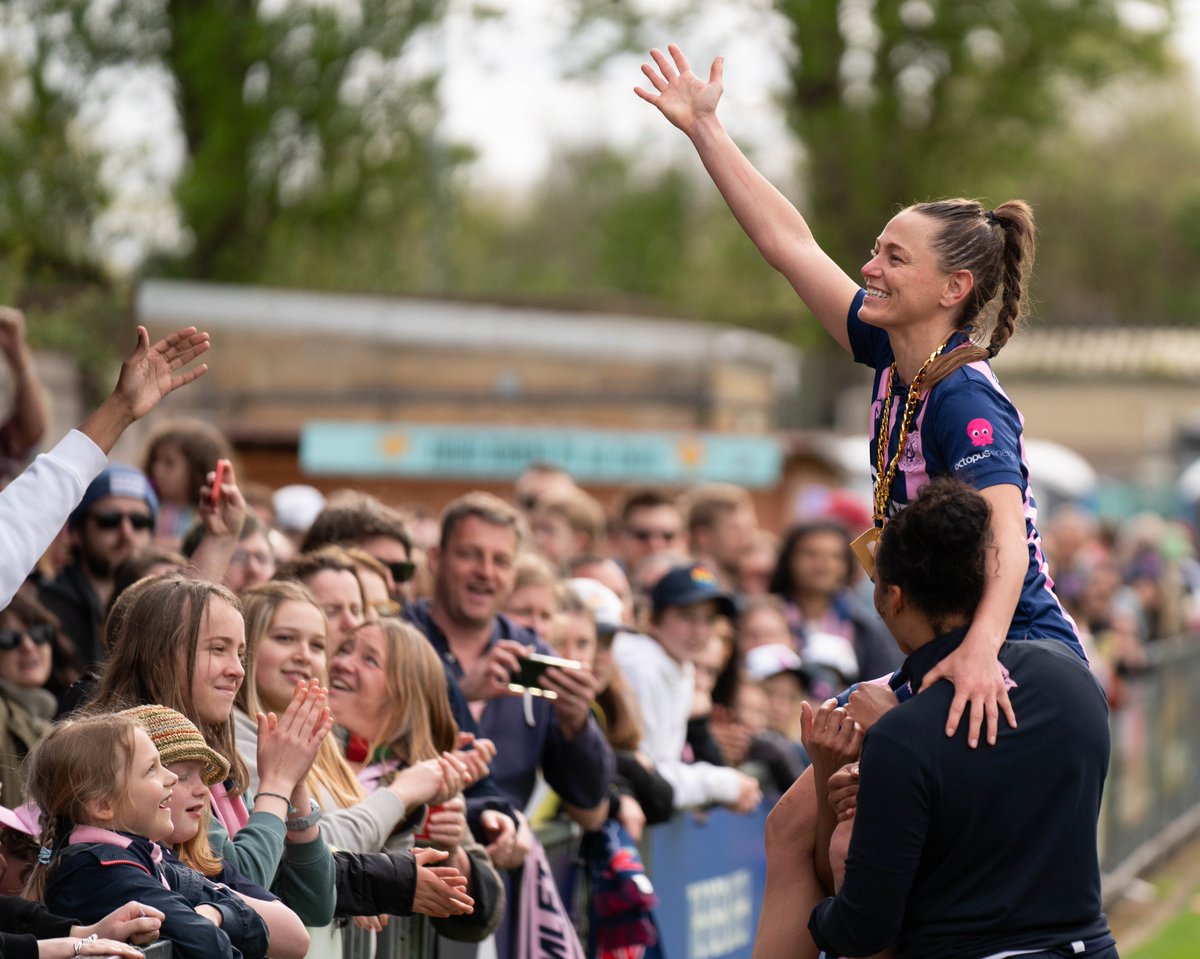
179,741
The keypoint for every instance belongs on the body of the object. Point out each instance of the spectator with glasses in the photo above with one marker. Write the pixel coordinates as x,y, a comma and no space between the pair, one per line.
648,521
253,559
113,521
27,642
363,521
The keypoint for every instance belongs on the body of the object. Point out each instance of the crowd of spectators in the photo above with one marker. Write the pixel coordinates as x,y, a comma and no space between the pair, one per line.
369,725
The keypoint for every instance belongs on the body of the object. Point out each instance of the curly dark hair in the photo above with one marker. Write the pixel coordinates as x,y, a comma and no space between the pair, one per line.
936,550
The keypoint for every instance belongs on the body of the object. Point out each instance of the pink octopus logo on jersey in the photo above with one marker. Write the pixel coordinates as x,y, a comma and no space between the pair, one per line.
980,431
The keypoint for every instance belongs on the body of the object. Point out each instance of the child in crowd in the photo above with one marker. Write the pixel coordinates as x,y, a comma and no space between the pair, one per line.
684,606
179,456
103,793
197,767
645,797
534,600
180,642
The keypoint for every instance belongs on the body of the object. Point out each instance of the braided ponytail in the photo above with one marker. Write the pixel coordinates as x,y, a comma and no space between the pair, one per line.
998,247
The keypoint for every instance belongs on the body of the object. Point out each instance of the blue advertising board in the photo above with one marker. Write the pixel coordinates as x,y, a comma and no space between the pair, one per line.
709,871
329,448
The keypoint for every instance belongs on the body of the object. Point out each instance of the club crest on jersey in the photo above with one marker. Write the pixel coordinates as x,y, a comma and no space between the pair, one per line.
912,460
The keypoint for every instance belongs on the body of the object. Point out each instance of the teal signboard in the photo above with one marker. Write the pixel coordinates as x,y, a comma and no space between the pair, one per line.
496,453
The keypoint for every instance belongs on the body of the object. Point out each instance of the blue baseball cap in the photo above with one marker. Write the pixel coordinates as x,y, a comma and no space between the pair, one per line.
689,585
115,480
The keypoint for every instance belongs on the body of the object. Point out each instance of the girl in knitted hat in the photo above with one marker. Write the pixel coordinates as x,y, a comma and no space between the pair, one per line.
184,753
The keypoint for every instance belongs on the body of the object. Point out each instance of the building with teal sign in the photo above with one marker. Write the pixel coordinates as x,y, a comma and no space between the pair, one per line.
488,453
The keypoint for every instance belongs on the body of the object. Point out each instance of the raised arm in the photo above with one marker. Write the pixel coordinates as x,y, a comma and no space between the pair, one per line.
148,374
773,224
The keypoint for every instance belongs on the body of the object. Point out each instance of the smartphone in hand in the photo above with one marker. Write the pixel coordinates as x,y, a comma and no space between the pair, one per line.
217,481
527,677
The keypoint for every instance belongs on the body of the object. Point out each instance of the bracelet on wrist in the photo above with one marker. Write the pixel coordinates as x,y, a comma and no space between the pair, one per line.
285,799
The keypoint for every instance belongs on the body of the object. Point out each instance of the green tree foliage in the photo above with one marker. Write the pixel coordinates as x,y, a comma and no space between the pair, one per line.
904,100
296,116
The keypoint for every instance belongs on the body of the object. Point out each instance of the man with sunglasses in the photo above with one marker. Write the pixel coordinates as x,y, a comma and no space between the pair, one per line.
365,522
648,521
114,520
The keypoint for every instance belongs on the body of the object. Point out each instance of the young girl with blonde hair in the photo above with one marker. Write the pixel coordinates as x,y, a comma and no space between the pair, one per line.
102,792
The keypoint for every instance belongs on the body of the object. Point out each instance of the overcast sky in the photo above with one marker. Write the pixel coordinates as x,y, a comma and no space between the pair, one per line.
503,94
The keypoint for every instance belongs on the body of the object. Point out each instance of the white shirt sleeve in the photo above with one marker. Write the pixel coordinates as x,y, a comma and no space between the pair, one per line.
664,693
35,506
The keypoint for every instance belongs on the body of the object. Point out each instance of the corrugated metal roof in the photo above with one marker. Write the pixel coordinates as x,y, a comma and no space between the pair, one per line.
1147,353
459,325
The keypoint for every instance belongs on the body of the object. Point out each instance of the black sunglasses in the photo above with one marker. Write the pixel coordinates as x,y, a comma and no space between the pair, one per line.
645,535
402,572
40,633
111,519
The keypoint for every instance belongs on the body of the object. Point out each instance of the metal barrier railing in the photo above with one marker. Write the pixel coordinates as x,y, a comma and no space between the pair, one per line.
1152,797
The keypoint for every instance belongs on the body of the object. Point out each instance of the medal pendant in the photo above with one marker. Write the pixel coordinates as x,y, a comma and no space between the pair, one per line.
864,549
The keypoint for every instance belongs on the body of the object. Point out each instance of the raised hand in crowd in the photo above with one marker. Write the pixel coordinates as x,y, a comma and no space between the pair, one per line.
490,675
441,890
576,690
222,516
149,373
27,422
133,922
749,795
476,754
447,824
418,784
868,702
287,746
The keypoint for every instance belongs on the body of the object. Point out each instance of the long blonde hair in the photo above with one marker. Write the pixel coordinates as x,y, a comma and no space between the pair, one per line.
418,722
330,773
77,762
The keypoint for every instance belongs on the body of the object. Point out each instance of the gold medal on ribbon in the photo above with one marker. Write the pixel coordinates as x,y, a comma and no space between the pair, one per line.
864,545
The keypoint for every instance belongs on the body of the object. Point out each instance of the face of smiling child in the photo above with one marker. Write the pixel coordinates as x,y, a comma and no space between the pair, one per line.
189,799
144,809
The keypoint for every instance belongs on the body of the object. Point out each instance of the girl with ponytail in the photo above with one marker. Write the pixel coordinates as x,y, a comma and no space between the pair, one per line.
941,294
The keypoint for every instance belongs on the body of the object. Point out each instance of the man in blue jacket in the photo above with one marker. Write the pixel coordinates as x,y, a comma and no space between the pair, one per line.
473,571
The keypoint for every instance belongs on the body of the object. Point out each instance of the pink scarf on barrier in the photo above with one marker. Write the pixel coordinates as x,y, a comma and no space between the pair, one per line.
544,928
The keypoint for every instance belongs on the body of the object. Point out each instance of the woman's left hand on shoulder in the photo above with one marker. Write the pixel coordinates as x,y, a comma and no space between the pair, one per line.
980,682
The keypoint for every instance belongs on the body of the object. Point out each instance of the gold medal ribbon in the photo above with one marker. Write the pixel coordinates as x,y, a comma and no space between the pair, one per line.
883,486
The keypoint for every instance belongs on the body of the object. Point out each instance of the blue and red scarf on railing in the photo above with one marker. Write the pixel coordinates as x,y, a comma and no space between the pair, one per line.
621,919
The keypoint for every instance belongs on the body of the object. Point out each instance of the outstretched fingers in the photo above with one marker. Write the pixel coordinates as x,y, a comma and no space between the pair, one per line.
666,68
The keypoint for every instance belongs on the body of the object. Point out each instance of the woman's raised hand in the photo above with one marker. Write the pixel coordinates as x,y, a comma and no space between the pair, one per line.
287,745
681,97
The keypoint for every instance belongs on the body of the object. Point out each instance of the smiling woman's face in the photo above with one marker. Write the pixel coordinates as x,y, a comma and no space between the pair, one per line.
357,686
293,650
218,670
